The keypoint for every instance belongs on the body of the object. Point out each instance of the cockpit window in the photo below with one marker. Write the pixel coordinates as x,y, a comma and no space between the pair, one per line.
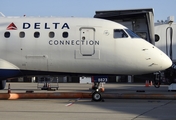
131,33
120,33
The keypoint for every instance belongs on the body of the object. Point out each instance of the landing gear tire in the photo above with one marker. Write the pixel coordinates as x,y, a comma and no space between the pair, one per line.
96,96
157,84
157,79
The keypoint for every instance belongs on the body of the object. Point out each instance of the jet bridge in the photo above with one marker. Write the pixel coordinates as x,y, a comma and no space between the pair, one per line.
141,21
165,32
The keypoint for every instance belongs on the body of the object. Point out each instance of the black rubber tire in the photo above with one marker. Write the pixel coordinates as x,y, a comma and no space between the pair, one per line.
157,84
96,96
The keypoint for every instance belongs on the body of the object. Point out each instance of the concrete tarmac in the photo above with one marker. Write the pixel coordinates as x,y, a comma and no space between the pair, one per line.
84,109
78,108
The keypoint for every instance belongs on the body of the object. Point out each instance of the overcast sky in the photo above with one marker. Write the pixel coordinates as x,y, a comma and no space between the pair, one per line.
84,8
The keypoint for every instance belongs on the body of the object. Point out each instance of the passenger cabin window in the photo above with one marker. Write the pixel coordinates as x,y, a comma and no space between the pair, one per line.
7,34
131,33
22,34
65,34
36,34
119,33
51,34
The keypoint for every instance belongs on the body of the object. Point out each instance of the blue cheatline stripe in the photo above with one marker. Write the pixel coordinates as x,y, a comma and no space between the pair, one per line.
7,73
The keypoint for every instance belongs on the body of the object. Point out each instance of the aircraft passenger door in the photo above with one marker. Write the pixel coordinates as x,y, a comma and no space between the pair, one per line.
37,62
87,41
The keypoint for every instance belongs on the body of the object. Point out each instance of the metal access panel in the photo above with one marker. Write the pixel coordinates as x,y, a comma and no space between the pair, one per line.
141,21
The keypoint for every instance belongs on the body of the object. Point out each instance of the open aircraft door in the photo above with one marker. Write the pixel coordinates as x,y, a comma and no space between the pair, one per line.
87,41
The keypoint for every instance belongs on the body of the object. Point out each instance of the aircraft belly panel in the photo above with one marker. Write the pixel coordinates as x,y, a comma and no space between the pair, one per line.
39,62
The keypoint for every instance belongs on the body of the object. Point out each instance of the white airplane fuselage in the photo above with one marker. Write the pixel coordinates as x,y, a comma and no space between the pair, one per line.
74,46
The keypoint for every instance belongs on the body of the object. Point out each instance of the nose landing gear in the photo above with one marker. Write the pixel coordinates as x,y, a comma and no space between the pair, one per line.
96,95
157,79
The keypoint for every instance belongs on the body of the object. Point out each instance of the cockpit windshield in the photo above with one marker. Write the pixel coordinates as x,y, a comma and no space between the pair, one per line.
124,33
131,33
120,33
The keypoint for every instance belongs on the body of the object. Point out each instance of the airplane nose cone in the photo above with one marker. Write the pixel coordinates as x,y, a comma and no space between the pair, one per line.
157,60
165,61
160,61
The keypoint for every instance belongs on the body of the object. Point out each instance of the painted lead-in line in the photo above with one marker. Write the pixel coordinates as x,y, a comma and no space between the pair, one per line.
71,103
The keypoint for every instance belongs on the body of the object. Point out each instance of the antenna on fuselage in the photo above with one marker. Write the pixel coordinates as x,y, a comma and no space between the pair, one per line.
2,14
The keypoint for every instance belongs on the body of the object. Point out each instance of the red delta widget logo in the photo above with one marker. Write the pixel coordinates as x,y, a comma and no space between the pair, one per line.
12,26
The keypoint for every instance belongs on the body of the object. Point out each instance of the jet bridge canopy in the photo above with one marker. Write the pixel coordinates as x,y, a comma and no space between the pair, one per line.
141,21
